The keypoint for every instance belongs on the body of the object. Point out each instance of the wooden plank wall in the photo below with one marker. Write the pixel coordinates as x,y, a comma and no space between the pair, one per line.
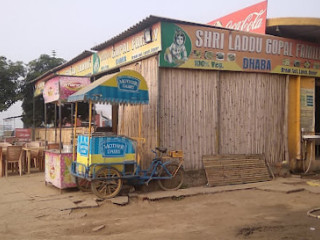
188,118
66,134
250,106
128,123
252,117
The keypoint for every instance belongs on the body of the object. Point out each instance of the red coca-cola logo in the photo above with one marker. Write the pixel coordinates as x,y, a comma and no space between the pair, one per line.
251,22
250,19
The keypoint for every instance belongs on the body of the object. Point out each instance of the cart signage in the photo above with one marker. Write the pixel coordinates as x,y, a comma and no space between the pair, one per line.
127,83
114,148
83,149
197,47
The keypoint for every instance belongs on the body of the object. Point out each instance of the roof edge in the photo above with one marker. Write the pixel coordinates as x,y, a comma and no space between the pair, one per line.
143,24
293,21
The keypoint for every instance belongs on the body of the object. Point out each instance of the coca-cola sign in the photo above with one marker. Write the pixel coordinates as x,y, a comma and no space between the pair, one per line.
250,19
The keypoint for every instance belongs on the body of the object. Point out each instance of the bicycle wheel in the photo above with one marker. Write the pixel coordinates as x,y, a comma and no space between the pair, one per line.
83,184
108,187
173,183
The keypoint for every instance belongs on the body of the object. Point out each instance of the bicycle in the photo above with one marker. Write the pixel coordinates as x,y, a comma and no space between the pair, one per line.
107,178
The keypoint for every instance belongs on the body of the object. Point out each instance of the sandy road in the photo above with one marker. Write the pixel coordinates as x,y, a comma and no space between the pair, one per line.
270,210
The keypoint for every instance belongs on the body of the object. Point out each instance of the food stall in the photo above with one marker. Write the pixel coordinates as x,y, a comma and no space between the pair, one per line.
96,149
58,161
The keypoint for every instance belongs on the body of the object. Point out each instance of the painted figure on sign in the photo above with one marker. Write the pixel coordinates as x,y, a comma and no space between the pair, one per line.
177,52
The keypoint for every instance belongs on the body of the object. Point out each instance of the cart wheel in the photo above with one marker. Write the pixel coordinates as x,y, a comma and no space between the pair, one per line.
83,184
173,183
110,184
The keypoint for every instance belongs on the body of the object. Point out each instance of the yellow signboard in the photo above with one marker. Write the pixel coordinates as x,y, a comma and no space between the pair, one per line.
198,47
130,49
82,68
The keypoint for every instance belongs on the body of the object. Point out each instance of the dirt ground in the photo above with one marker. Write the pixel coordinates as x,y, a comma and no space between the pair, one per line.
274,210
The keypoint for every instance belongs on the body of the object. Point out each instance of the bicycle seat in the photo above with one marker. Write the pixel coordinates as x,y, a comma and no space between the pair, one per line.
161,149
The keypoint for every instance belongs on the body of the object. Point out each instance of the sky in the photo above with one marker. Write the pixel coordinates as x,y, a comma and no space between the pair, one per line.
29,28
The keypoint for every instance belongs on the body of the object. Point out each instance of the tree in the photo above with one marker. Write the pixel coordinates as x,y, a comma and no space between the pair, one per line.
35,69
11,83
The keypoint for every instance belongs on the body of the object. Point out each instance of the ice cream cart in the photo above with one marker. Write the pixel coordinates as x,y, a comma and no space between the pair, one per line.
105,160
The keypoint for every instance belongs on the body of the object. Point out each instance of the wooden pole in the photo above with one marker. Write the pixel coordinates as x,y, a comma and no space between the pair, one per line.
218,114
298,130
72,112
286,108
74,133
139,135
55,122
89,136
60,127
115,117
33,118
159,79
45,123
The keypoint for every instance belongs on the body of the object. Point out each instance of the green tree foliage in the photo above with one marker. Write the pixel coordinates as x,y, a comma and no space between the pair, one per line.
11,83
35,69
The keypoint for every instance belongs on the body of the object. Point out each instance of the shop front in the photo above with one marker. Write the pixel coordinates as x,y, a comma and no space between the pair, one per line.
216,91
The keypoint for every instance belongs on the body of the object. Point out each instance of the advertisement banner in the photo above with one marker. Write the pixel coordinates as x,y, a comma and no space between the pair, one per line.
51,90
186,46
307,109
39,86
250,19
130,49
70,85
61,87
23,134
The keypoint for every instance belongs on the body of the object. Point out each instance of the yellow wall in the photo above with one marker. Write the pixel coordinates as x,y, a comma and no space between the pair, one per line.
296,83
293,116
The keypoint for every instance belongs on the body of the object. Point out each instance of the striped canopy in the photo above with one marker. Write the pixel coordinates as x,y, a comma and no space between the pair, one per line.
126,87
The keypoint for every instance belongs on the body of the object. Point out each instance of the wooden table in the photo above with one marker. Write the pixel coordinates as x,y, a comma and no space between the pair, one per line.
28,150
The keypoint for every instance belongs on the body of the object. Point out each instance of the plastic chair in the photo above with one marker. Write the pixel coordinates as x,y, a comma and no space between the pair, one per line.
13,156
1,164
34,153
4,146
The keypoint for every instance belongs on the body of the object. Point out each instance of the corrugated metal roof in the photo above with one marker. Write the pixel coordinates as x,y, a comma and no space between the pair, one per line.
147,22
51,73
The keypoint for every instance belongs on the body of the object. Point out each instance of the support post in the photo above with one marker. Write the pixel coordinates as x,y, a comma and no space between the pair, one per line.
74,133
60,127
89,136
33,119
45,123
